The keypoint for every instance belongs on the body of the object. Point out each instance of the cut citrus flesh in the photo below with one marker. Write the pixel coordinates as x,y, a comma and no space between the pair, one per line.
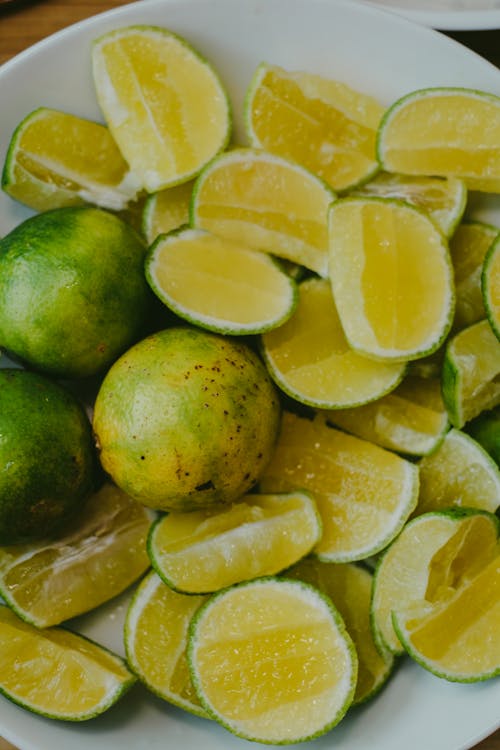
443,198
155,634
164,104
218,284
93,559
411,419
349,586
490,286
267,203
459,472
426,563
458,639
166,210
446,131
391,277
468,248
364,493
310,359
271,660
322,124
471,369
57,673
204,551
57,159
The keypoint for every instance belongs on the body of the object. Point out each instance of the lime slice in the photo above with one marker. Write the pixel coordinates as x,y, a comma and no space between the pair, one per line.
156,628
310,360
219,285
485,429
468,248
453,132
166,210
443,198
470,373
364,493
349,586
164,104
271,660
490,286
411,419
92,560
267,203
204,551
426,563
56,673
56,159
461,473
457,639
391,277
322,124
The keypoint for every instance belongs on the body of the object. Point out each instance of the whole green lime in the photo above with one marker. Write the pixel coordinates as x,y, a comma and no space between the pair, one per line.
186,419
47,456
72,291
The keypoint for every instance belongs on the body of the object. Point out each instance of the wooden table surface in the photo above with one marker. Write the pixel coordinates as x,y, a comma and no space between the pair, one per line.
26,22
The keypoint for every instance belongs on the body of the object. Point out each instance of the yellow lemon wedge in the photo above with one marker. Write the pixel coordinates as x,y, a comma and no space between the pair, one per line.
57,159
321,123
391,277
364,493
266,202
57,673
162,101
252,649
447,131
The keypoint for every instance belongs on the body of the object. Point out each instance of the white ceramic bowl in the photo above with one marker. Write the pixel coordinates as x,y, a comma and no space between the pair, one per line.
450,15
376,52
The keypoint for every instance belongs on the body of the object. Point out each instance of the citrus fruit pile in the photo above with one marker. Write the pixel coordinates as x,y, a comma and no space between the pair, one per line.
267,377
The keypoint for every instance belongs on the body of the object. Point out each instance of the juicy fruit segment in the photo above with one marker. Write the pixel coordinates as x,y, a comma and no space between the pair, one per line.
364,493
47,458
57,159
468,248
322,124
391,278
459,473
166,210
267,203
283,635
164,104
457,637
453,545
470,373
186,419
444,131
218,284
309,358
87,681
411,419
443,198
349,587
156,631
490,285
87,313
92,560
260,535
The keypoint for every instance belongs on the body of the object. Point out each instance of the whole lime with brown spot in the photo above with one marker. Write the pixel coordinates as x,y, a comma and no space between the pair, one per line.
186,419
48,463
73,296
